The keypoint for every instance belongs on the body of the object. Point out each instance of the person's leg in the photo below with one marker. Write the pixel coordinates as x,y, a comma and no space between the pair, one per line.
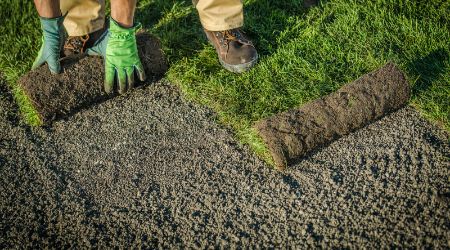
218,15
83,16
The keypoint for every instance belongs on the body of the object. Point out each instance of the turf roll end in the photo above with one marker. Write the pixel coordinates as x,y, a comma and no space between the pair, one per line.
81,82
293,134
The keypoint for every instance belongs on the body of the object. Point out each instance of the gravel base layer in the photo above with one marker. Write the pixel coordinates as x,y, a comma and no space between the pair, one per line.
151,169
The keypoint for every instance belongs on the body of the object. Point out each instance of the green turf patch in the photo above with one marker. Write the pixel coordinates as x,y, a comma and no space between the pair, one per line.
21,39
305,54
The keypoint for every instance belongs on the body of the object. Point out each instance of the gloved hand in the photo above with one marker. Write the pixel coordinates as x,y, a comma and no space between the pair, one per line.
52,41
118,48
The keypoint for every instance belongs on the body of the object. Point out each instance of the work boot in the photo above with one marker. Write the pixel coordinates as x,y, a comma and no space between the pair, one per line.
236,53
79,44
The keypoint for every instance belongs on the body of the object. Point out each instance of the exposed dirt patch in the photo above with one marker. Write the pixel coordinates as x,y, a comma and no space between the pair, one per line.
81,82
292,134
151,54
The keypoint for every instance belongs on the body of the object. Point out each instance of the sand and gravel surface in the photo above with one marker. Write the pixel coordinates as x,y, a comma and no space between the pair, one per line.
151,169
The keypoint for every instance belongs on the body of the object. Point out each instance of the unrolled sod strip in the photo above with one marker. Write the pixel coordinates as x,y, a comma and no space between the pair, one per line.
81,82
292,134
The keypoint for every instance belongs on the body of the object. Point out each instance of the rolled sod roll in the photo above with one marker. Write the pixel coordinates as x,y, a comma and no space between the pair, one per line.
82,79
293,134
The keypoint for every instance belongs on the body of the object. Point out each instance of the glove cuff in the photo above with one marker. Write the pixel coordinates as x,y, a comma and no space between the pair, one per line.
117,31
52,25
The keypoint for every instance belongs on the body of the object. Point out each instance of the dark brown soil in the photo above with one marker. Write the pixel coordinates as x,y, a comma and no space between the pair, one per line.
81,82
292,134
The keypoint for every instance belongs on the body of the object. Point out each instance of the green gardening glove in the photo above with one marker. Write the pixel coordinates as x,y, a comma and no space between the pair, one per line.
118,48
52,41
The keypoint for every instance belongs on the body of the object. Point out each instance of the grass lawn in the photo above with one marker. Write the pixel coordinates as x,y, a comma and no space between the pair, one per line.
304,54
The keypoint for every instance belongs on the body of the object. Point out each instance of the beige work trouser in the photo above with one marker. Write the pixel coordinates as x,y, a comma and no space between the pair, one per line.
83,16
86,16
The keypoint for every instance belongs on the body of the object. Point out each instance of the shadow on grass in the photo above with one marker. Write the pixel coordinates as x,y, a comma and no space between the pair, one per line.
7,105
178,26
429,68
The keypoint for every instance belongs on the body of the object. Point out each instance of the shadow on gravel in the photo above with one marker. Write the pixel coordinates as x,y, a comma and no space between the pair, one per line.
8,108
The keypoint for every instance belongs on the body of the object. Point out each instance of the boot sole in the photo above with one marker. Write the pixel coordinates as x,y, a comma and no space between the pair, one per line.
239,68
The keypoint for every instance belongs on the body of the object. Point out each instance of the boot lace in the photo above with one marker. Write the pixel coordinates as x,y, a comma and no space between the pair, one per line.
76,43
228,36
231,35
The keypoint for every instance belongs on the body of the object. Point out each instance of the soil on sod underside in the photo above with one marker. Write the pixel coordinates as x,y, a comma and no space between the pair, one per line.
292,134
81,82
